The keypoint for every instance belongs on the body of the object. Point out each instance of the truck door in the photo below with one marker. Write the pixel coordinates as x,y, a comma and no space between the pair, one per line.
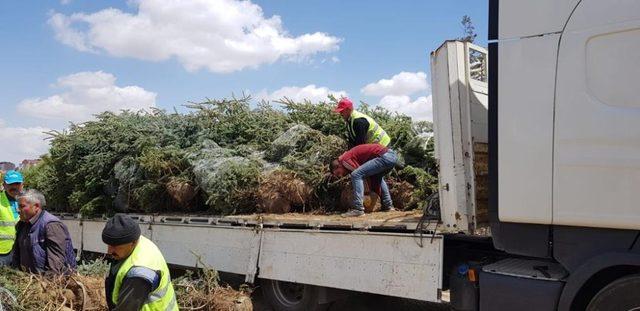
597,117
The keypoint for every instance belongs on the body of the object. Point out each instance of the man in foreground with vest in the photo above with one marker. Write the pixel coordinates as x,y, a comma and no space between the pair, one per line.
361,128
139,277
12,185
43,243
371,161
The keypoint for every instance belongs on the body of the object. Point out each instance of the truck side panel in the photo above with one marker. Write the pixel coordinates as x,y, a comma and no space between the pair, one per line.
373,263
525,122
227,249
459,75
597,153
392,264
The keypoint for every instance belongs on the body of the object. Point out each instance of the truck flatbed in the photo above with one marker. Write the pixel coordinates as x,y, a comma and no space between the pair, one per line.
378,253
397,221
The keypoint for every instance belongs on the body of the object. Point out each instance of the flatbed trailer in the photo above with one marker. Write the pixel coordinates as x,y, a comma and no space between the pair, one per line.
385,255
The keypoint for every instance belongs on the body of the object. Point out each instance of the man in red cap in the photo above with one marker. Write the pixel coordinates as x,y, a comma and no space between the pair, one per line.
361,128
371,161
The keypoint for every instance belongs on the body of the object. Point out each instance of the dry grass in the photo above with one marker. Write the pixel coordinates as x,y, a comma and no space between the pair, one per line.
199,291
52,293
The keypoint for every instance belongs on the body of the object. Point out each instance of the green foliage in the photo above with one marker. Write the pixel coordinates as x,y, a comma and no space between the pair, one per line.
399,127
145,161
318,116
468,30
227,178
232,122
96,267
7,280
425,184
44,177
296,139
423,127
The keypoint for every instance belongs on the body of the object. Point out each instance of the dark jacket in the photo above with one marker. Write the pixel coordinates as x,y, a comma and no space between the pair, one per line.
136,287
43,244
360,128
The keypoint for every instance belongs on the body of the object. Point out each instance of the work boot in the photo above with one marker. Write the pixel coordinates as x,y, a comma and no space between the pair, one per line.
388,209
353,213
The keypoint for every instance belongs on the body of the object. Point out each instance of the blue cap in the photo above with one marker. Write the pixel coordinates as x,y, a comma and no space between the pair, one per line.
463,269
13,177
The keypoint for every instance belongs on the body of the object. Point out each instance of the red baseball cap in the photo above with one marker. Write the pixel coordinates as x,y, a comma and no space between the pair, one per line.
343,104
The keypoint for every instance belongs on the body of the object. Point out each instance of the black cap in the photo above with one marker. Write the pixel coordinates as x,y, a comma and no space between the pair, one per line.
121,229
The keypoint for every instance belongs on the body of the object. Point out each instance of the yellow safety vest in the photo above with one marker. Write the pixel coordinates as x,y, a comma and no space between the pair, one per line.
375,133
146,254
7,224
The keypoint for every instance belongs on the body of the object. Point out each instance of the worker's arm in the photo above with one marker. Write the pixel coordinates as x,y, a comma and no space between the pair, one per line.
360,127
55,246
136,287
348,160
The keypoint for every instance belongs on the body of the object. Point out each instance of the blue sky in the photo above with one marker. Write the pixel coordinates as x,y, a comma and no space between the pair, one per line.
64,60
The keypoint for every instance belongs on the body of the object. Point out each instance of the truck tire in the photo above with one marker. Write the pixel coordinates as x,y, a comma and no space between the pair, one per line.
287,296
622,294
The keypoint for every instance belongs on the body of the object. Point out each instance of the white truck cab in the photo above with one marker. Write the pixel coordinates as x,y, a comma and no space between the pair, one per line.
560,126
564,150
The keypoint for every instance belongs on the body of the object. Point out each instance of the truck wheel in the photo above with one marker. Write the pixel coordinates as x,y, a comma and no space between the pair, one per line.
622,294
287,296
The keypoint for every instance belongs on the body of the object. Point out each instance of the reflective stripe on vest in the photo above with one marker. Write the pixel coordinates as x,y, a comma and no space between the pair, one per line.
7,224
146,254
375,133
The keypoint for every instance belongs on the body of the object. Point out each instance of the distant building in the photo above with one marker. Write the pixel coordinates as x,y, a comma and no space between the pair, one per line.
27,163
6,166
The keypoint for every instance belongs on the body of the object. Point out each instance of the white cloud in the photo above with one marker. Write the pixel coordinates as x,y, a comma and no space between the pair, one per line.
404,83
220,35
88,93
310,92
65,2
419,109
396,94
22,143
67,35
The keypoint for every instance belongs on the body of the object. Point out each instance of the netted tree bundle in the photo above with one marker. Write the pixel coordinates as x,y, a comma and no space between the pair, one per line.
127,175
296,139
158,161
157,180
402,194
229,180
310,159
280,191
412,185
182,191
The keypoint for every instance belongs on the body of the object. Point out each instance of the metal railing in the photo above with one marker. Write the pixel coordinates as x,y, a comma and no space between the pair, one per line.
477,64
